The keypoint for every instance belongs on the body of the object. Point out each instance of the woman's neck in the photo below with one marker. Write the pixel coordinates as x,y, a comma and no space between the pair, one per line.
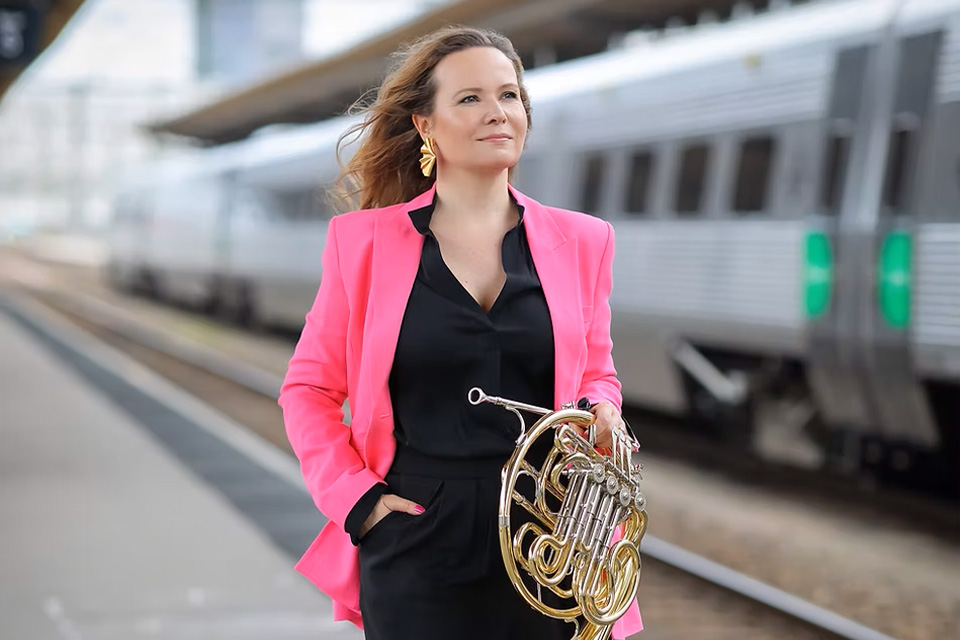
472,198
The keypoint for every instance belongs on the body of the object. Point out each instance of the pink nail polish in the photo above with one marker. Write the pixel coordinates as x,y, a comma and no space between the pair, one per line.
419,509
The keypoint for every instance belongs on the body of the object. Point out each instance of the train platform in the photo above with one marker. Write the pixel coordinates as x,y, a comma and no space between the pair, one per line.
110,525
870,563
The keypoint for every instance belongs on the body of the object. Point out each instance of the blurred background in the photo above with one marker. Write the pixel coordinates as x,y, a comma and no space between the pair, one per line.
784,180
75,117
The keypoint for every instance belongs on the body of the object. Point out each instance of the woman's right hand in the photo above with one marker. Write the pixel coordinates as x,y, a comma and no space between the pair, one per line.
389,502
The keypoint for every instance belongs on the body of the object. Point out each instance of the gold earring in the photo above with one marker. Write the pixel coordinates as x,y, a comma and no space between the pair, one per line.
428,158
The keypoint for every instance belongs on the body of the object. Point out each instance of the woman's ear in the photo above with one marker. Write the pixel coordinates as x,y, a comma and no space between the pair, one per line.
422,123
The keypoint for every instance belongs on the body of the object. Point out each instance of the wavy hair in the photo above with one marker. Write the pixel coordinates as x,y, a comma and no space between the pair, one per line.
385,169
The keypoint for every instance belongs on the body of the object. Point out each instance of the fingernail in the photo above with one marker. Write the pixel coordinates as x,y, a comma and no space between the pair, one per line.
418,509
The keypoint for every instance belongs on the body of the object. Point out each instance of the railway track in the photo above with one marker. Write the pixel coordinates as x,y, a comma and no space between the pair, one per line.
684,595
692,444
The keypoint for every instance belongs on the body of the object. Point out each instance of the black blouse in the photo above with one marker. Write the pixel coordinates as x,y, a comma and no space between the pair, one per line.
448,344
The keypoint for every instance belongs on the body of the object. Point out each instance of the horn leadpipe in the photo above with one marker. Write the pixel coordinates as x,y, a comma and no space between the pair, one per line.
477,396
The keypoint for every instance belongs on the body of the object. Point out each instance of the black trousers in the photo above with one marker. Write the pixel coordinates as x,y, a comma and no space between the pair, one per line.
441,574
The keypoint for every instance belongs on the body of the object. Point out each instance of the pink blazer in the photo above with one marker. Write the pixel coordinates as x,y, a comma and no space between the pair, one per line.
346,350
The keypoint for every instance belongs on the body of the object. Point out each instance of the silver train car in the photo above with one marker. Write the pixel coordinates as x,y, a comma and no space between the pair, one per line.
785,189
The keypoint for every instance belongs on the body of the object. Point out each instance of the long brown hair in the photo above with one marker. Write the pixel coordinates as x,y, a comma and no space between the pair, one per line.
385,169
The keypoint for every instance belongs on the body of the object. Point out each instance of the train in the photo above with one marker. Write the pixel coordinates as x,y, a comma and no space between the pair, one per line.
785,190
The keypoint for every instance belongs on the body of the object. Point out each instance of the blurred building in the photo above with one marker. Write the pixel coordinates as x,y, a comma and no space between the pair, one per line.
71,121
74,119
61,144
240,39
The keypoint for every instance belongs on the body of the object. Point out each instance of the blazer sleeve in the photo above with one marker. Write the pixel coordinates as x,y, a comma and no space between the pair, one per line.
312,397
600,380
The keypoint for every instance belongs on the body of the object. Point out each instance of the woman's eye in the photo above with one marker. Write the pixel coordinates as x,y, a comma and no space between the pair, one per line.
470,99
510,94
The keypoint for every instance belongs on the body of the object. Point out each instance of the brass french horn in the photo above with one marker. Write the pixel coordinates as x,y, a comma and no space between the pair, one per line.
579,497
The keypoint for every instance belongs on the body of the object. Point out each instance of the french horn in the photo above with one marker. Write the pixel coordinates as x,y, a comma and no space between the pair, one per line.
575,499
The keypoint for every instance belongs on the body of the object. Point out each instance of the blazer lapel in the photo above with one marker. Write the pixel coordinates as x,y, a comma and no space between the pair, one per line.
396,257
397,247
555,256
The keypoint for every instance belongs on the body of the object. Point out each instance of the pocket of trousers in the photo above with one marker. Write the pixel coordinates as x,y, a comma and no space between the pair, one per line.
423,491
379,526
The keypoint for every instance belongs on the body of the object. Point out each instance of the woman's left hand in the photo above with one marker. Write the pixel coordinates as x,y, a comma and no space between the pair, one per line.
607,419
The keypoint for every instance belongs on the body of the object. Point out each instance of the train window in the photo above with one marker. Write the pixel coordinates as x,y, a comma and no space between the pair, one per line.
895,179
834,172
592,182
753,174
527,174
296,205
288,205
956,175
692,178
638,187
317,206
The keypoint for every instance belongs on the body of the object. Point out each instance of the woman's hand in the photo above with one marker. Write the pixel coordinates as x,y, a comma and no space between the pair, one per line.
389,502
607,419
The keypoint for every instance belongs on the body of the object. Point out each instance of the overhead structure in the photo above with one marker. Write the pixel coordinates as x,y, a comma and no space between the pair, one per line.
543,31
27,28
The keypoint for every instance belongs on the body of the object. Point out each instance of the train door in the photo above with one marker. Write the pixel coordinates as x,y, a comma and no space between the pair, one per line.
896,394
859,250
832,247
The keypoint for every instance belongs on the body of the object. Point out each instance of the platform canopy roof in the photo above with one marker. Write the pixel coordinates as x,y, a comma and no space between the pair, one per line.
27,28
543,31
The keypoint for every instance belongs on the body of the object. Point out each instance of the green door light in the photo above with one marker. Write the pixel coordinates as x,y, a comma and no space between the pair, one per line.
818,274
893,279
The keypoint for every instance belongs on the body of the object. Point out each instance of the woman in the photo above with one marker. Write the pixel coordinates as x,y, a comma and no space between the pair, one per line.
447,278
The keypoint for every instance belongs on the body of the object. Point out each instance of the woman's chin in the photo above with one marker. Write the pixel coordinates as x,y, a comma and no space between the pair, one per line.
494,167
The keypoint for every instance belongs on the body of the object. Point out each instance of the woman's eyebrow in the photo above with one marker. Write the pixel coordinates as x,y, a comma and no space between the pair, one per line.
512,85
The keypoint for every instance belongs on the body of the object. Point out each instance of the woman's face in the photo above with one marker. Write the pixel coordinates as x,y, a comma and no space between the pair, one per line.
478,120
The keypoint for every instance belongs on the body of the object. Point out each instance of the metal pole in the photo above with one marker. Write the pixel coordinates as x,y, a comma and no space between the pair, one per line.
79,123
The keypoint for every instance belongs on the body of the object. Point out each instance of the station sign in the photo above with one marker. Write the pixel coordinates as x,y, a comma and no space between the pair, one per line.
20,28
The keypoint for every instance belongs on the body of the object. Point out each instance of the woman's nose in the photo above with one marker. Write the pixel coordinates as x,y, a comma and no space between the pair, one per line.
497,114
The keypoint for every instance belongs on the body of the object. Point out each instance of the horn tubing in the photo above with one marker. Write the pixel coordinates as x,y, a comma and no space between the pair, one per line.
476,396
